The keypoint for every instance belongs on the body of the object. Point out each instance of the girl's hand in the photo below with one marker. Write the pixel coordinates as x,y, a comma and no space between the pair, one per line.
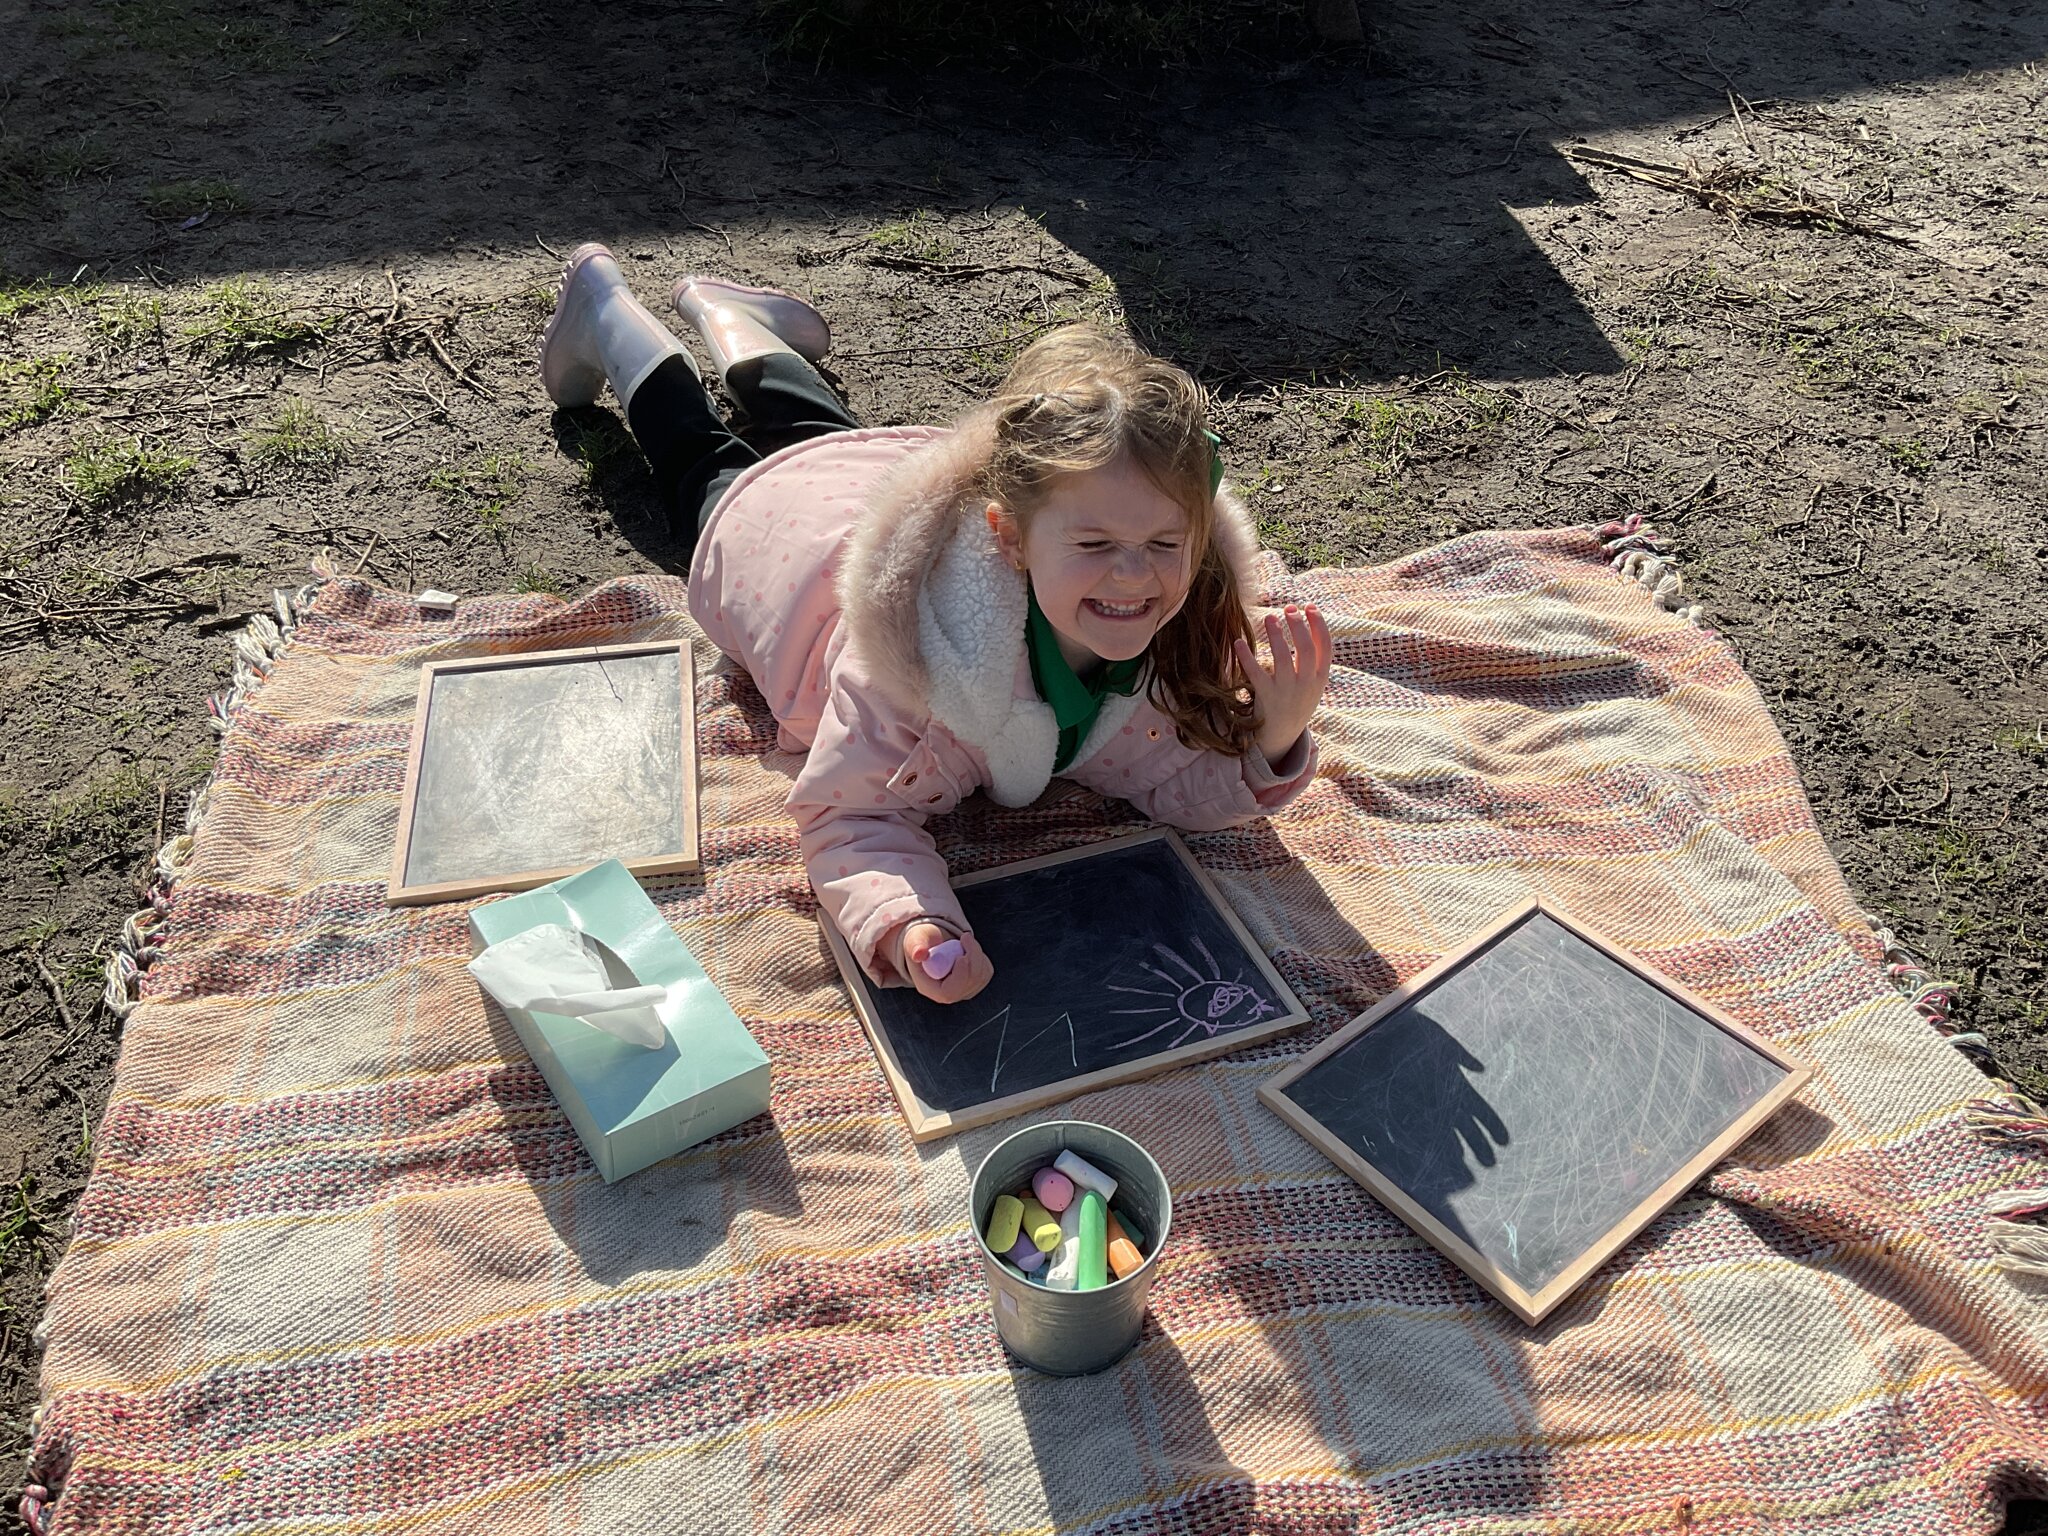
970,973
1288,691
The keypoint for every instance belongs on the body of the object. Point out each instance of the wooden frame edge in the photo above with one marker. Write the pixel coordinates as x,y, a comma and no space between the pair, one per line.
1533,1307
688,860
928,1123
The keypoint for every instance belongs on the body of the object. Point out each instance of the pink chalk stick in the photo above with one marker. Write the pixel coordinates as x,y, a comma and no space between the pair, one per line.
1054,1189
940,959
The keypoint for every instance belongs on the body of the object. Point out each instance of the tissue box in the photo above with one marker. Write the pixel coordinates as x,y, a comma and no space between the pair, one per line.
633,1106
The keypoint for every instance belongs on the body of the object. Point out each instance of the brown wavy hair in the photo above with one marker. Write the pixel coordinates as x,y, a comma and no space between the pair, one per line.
1078,399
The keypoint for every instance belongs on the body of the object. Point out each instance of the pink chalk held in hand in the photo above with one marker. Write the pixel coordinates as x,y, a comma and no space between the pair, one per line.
1054,1189
940,959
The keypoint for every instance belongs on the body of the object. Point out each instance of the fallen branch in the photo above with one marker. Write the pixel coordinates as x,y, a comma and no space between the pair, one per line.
1734,193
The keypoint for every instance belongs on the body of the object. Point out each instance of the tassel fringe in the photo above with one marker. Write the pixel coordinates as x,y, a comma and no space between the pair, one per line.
256,651
1640,554
2019,1242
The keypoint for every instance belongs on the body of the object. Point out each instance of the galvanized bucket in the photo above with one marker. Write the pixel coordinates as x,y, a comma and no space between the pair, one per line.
1071,1333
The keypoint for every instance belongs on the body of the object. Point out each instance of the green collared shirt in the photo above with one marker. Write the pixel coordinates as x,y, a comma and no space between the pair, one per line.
1075,704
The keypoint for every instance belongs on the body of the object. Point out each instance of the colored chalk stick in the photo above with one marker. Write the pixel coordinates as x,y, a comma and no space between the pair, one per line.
1026,1255
1005,1217
1124,1260
1065,1269
939,961
1092,1243
1127,1229
1085,1174
1054,1189
1041,1226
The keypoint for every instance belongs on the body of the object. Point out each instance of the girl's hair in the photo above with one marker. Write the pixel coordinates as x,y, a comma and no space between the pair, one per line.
1078,399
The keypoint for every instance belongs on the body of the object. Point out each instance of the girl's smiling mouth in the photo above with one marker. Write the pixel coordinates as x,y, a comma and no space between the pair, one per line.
1107,610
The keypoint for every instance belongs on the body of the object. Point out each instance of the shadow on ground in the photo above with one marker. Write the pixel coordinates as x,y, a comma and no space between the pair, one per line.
1351,212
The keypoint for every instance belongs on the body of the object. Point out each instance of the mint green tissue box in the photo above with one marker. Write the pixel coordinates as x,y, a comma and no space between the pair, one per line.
633,1106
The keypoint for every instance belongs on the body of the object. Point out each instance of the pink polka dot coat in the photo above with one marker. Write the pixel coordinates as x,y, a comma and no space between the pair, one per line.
855,579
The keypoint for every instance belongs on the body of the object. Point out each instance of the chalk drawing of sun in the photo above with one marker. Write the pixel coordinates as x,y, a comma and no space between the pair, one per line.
1212,1005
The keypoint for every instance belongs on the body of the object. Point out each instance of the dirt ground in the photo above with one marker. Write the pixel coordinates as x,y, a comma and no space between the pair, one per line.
1767,272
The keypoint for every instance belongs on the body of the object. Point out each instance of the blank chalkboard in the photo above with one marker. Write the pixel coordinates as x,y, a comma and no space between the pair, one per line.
525,768
1534,1100
1111,962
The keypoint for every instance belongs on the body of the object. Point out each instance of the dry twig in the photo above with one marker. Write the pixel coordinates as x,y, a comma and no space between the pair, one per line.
1738,194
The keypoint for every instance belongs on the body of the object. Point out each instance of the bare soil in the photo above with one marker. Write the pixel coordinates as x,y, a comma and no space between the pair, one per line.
1768,273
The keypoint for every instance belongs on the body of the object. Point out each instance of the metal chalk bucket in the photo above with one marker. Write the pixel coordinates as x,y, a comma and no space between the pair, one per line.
1071,1333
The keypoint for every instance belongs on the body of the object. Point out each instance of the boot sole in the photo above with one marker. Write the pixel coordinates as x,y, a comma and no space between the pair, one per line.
566,384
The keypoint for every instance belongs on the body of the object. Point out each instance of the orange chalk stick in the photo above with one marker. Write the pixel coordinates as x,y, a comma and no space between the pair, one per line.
1124,1259
1123,1253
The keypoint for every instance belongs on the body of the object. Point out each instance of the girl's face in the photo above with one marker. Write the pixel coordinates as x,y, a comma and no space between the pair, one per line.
1107,554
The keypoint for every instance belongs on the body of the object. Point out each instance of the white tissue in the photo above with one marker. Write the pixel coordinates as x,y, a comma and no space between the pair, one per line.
552,969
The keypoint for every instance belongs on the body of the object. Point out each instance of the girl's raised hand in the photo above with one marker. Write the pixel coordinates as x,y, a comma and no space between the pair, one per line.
970,973
1288,691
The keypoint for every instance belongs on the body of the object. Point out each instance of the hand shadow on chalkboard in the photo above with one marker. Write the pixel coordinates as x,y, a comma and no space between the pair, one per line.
648,1220
1422,1119
1135,1431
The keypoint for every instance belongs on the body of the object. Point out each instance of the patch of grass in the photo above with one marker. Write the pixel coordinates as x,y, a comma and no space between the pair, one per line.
114,471
1302,549
298,437
1908,455
1394,430
538,578
2018,738
1961,856
126,319
172,201
32,391
1856,347
482,487
598,446
243,318
112,813
27,171
922,236
21,1224
17,299
201,33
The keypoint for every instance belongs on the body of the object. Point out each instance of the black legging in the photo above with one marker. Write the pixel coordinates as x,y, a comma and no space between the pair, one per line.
696,456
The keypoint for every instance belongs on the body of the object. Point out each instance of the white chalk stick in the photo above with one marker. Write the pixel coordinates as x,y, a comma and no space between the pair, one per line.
1086,1174
1065,1269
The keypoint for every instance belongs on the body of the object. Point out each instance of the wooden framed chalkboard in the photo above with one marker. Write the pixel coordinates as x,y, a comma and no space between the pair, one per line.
529,767
1533,1100
1112,962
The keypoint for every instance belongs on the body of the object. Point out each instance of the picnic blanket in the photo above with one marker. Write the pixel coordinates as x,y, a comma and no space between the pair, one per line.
342,1266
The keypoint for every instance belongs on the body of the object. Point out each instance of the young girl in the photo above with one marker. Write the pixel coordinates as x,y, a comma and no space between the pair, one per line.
1053,585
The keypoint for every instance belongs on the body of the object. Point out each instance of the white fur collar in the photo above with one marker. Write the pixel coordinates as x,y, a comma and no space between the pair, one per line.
971,620
937,616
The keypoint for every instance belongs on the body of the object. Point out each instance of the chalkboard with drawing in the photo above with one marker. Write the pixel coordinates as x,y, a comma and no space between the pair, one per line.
1112,962
1533,1100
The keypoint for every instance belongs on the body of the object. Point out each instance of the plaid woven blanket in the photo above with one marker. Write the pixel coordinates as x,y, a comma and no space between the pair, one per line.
343,1267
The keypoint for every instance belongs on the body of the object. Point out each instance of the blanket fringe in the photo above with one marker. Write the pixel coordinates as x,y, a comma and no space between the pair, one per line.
1641,554
2018,1242
1932,999
256,650
2019,1247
